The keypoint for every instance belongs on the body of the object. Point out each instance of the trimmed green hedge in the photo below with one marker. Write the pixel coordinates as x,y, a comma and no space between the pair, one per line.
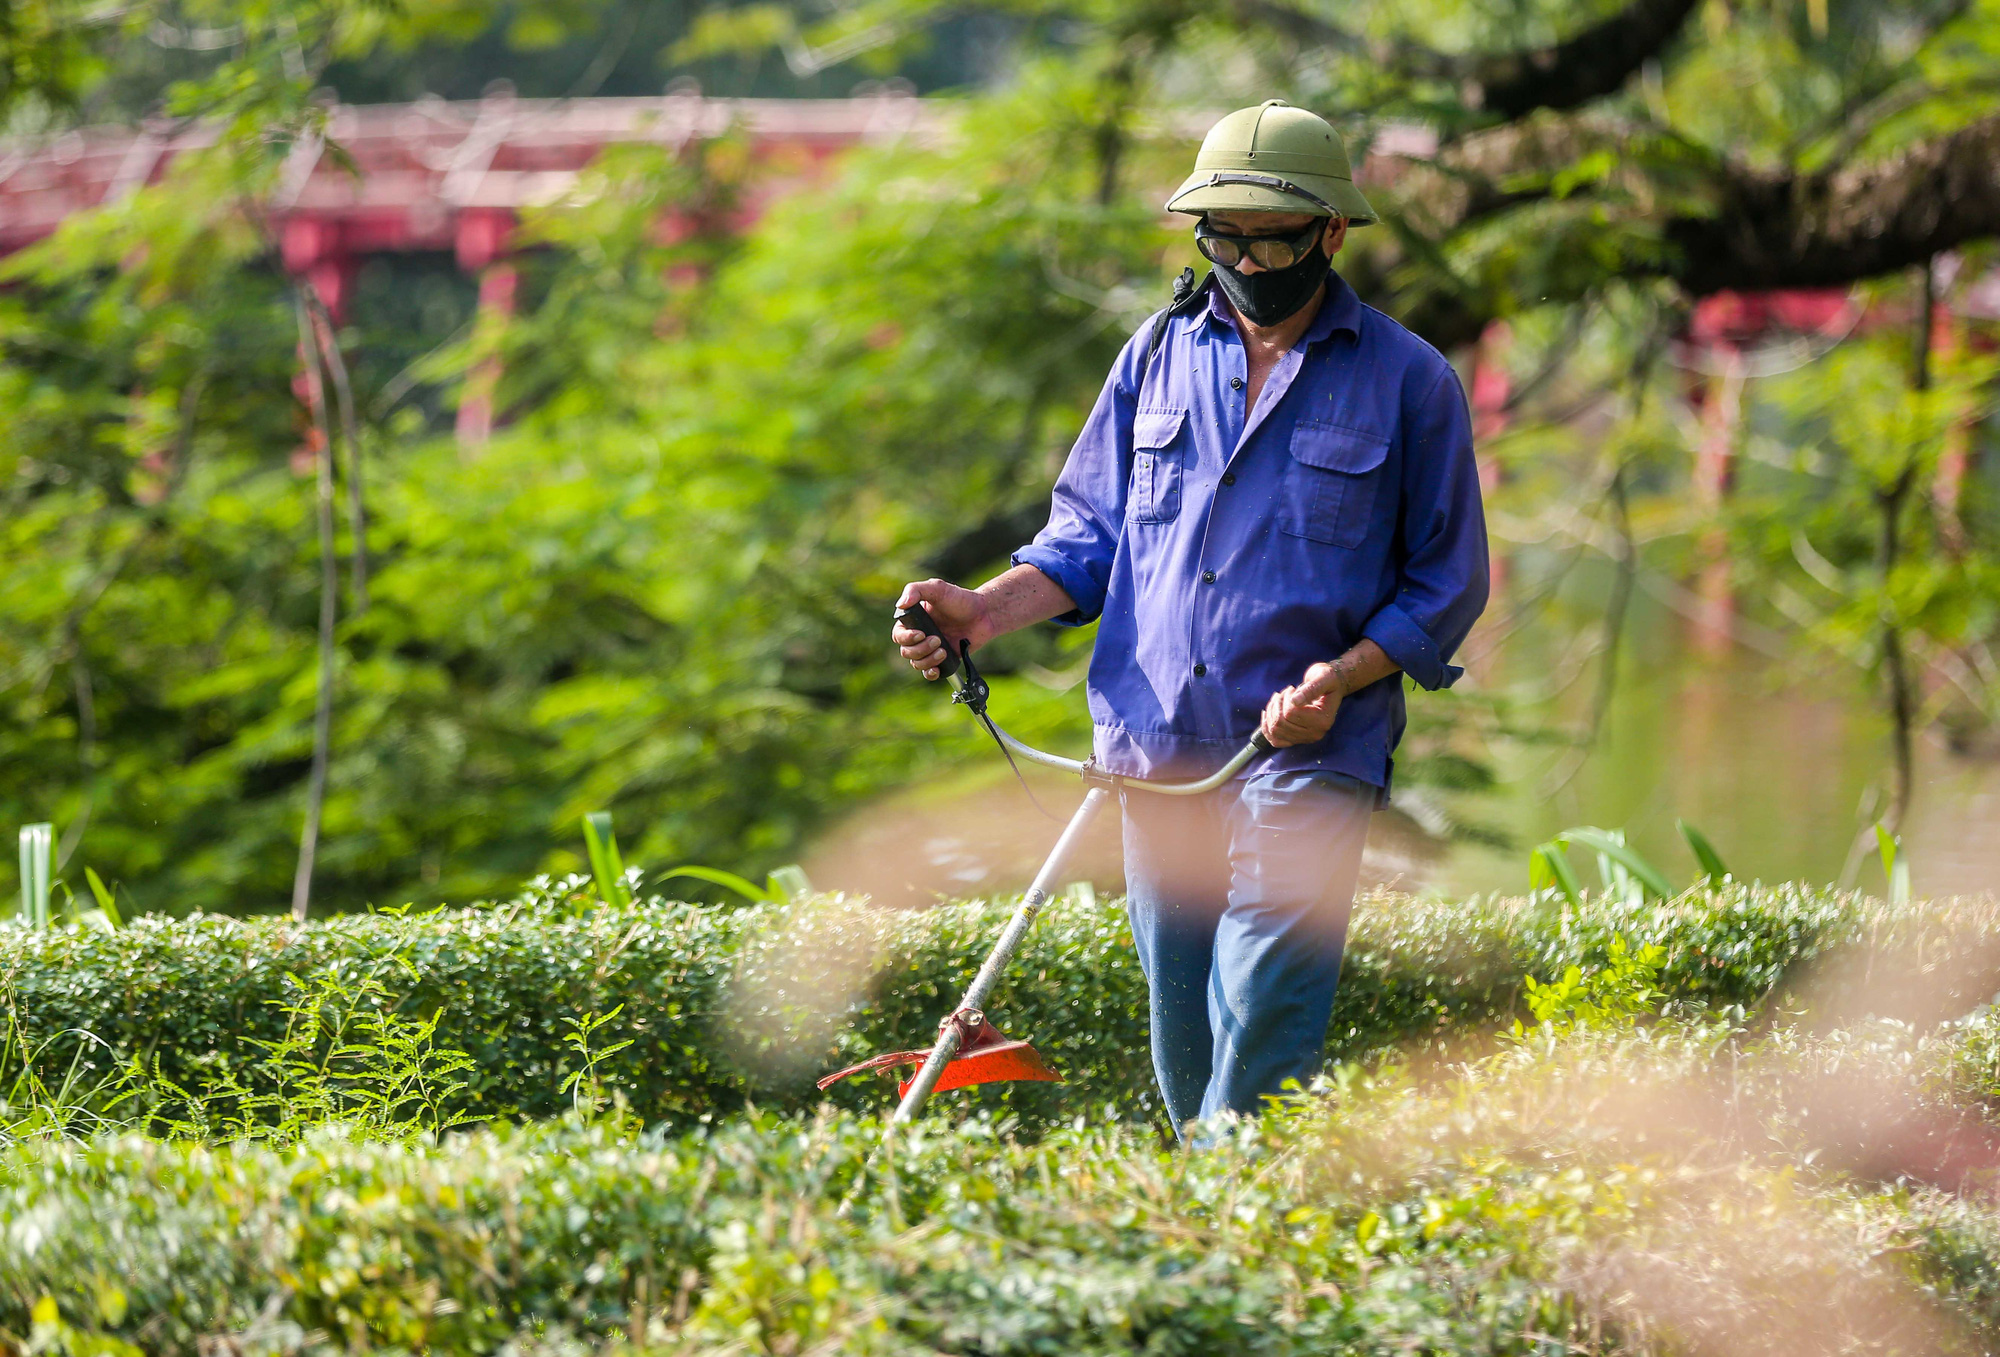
728,1005
1487,1215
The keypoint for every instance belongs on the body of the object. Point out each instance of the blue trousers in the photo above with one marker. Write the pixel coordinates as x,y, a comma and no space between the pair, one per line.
1239,903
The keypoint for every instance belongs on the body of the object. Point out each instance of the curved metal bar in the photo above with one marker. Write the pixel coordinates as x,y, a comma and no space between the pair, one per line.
1034,754
1208,784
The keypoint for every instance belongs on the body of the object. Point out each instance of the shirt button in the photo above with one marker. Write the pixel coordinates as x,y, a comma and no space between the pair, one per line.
1235,383
1201,671
1229,478
1208,577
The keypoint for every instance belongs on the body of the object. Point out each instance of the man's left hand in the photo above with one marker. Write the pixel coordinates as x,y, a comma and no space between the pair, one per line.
1303,713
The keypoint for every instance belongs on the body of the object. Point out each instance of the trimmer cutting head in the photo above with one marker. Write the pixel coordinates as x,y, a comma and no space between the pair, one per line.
986,1055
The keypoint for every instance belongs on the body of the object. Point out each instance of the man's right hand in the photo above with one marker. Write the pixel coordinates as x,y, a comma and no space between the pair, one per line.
961,614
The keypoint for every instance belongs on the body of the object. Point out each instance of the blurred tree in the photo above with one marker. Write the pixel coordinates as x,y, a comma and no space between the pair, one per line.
661,587
655,590
1747,144
1609,162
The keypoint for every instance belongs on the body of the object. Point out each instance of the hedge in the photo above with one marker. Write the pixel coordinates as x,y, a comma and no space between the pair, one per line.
1483,1215
728,1006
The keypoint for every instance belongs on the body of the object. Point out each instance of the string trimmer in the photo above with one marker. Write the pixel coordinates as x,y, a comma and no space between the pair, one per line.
970,1049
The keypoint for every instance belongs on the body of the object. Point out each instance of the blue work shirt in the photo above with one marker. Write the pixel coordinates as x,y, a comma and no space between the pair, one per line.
1227,549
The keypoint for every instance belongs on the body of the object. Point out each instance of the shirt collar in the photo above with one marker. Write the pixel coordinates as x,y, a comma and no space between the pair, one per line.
1339,310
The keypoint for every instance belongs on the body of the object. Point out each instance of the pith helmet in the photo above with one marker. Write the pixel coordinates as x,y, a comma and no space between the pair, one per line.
1273,158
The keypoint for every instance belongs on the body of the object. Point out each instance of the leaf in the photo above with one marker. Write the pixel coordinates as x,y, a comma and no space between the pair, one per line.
1602,841
717,877
1704,852
605,864
105,900
1889,845
1895,866
1549,865
790,883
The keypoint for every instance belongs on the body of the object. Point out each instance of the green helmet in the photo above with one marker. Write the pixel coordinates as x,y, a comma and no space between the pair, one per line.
1273,158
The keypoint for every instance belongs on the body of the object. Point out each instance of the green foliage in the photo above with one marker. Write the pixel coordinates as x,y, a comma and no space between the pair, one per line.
346,1058
1895,867
583,1085
46,1096
724,1005
1611,996
107,903
784,885
607,869
1704,853
1483,1212
1548,865
658,593
36,850
1625,873
1844,535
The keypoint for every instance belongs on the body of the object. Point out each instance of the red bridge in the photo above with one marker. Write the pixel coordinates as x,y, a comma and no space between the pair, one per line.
434,175
447,176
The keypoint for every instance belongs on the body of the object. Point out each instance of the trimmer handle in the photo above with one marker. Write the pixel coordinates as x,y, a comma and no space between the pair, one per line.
916,618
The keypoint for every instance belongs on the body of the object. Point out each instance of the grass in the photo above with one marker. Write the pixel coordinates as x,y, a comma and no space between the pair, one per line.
720,1008
1734,1121
1633,1189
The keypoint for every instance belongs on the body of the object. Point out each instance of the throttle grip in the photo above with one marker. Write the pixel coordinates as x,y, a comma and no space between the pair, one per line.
917,618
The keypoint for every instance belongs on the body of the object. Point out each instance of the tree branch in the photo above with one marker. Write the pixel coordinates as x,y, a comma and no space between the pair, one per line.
329,591
1594,63
328,337
1506,85
1775,230
1766,230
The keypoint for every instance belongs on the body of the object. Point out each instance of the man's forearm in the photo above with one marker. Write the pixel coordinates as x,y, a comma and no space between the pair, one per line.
1362,664
1305,713
1020,598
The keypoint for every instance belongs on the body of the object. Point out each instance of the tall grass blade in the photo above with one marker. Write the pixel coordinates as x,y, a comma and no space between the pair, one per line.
37,847
605,864
715,876
1704,852
791,884
1895,864
1613,847
106,901
1549,865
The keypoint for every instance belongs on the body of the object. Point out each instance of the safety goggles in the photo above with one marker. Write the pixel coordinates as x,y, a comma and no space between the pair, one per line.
1271,252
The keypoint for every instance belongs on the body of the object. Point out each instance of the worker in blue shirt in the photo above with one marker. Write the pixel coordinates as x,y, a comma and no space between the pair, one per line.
1272,510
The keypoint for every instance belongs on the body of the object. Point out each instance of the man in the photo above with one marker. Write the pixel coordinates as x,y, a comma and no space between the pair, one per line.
1270,517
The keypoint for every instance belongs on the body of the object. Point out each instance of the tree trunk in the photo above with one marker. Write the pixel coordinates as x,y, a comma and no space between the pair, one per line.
329,596
1895,658
350,435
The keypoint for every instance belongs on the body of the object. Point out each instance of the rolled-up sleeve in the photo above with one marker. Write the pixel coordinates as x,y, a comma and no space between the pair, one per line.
1442,577
1087,509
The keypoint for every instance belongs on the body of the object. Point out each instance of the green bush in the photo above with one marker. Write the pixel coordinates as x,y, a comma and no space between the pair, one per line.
1500,1210
727,1005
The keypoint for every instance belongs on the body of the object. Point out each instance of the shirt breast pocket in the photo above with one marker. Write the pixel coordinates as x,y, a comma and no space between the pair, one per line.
1336,475
1160,450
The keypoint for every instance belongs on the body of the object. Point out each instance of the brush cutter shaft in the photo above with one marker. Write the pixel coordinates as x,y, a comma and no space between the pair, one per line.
1003,951
972,691
1256,745
968,1020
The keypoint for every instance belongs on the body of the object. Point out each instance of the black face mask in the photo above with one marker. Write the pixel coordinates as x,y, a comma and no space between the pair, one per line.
1273,295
